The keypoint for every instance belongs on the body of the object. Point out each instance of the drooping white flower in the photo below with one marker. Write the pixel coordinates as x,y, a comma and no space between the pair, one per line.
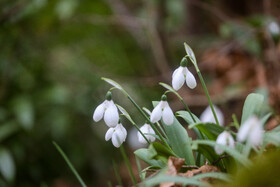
117,134
251,130
162,110
181,75
273,28
146,128
208,117
108,110
224,138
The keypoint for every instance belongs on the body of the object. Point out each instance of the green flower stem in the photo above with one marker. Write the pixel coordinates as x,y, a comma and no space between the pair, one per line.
207,94
188,109
69,164
247,149
161,129
117,174
128,165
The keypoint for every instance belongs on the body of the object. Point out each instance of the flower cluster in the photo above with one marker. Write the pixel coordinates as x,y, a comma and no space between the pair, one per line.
251,130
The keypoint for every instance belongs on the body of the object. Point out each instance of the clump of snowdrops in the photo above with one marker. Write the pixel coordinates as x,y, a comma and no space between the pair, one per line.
223,146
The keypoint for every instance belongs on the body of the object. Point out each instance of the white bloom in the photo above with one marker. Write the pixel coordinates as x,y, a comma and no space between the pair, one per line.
162,110
146,129
252,130
273,28
109,111
208,117
224,138
181,75
117,134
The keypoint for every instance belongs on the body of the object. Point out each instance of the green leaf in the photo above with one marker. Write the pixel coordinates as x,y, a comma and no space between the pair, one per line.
69,164
271,137
187,117
113,83
252,105
179,140
210,130
7,166
144,154
216,175
125,113
168,87
177,179
234,153
189,52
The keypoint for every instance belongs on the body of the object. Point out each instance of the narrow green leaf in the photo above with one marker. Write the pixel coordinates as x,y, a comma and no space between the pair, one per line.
116,170
235,154
271,137
177,179
113,83
144,153
189,52
125,113
216,175
252,105
187,117
210,130
69,164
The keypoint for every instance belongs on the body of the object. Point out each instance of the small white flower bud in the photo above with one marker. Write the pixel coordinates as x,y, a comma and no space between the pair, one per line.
224,138
146,129
208,117
251,130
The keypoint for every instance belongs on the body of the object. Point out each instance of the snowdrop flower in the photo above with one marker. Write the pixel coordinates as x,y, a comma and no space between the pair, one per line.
117,134
273,28
224,138
162,110
146,129
251,130
208,117
181,75
109,110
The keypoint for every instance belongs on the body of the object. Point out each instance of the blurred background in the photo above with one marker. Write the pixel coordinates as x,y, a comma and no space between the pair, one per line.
54,52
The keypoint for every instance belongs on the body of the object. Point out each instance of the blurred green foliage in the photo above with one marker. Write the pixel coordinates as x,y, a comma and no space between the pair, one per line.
51,61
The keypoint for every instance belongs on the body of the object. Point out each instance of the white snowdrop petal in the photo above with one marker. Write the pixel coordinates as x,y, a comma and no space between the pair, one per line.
150,130
218,150
222,138
111,116
178,79
156,113
190,80
219,114
246,127
207,116
109,134
167,115
116,140
174,73
124,132
99,112
230,141
141,139
256,135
